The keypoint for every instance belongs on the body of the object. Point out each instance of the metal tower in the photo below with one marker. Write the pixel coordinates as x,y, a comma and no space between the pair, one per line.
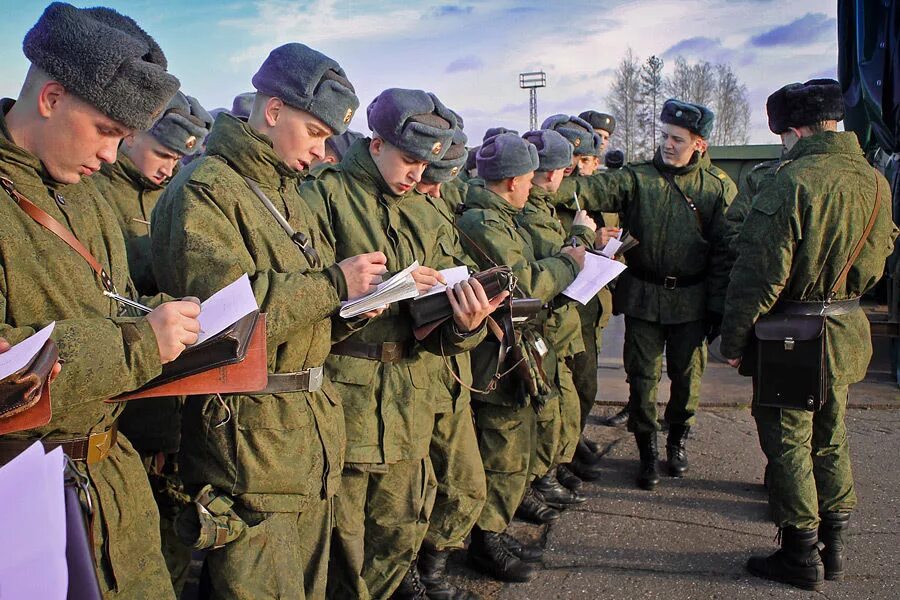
531,82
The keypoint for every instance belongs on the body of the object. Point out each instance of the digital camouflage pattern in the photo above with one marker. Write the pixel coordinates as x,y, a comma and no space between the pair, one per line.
793,244
105,354
750,185
278,453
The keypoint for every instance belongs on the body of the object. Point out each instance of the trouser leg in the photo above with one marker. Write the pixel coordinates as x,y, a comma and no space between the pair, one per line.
642,357
685,363
831,454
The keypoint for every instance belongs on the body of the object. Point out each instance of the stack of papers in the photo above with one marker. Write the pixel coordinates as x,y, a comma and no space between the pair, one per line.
598,271
401,286
22,354
226,307
619,245
452,276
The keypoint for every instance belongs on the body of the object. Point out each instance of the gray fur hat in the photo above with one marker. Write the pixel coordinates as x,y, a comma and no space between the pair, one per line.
492,131
799,104
554,150
243,104
506,155
599,120
693,117
575,129
339,144
183,126
414,121
307,79
448,167
104,58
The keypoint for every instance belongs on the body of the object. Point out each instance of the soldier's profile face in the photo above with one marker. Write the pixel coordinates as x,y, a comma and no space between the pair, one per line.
587,164
604,139
677,145
549,180
401,171
154,160
519,195
75,138
298,137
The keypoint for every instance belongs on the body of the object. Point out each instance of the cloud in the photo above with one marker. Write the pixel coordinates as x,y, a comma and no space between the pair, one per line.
465,63
807,29
693,46
451,10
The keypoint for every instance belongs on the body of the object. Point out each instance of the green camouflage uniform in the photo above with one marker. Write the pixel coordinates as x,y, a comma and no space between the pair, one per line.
740,207
559,423
674,242
461,485
278,455
506,428
388,484
153,425
793,244
105,354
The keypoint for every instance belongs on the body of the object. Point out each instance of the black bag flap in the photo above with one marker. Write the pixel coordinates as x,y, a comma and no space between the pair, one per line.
427,309
797,327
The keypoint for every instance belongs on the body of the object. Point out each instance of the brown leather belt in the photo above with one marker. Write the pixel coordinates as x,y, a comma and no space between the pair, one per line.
90,449
386,352
309,380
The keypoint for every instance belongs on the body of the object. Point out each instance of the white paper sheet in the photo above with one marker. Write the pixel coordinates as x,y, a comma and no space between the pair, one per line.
453,276
399,287
33,526
597,273
227,306
20,356
611,247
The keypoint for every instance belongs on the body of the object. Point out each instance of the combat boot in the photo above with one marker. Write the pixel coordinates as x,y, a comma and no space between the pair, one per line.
555,494
533,509
832,528
411,587
432,565
618,419
648,476
528,553
676,453
488,554
569,479
587,452
797,563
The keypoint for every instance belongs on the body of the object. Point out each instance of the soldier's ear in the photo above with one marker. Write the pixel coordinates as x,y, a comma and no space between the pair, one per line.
274,107
49,98
376,145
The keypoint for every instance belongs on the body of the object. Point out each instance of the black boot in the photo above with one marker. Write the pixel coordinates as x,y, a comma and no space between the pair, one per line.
797,563
523,551
555,494
488,554
534,510
411,587
569,479
648,476
618,419
676,451
832,528
432,566
587,455
585,471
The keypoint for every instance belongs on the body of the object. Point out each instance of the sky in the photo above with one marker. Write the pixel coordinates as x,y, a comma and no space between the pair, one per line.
470,53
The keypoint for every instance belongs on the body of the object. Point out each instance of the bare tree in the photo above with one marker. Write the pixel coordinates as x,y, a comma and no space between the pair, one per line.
692,83
624,101
732,109
652,98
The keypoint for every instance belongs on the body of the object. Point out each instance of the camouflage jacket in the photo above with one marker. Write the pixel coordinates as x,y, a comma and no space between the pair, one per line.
674,240
133,197
706,163
750,185
796,239
278,452
388,406
538,221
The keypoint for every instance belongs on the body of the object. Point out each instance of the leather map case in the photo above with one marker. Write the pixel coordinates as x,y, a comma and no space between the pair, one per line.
25,395
790,361
436,307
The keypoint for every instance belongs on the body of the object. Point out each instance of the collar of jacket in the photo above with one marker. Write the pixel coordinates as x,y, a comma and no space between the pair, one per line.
358,163
481,197
21,163
249,152
662,167
825,142
125,170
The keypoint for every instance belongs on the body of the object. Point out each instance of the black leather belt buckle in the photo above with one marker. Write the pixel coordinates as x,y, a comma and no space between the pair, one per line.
670,283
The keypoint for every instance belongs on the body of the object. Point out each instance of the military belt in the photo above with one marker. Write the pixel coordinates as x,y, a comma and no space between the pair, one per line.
386,352
669,282
309,380
90,449
819,308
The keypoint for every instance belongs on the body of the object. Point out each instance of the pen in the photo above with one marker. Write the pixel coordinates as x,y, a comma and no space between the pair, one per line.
577,204
127,301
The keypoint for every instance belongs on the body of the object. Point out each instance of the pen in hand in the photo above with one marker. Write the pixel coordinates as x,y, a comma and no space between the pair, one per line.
127,301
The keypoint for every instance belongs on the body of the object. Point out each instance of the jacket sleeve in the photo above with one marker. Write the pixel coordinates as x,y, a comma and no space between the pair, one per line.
765,246
198,249
600,192
721,259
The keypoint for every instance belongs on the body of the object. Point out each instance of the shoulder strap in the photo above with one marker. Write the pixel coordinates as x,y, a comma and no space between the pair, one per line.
671,180
300,239
859,245
57,228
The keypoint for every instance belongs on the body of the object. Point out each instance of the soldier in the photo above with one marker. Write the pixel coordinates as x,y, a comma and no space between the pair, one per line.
243,104
750,185
603,125
454,445
559,423
793,246
95,77
673,290
275,456
383,375
133,185
505,417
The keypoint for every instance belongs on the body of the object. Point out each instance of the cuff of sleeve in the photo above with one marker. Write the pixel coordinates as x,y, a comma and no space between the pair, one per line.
584,234
141,348
336,277
571,262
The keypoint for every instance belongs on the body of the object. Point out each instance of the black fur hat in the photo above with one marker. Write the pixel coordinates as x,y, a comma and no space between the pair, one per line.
799,104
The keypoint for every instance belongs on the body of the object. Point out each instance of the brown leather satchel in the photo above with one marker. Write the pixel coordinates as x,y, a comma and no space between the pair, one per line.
231,362
25,395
